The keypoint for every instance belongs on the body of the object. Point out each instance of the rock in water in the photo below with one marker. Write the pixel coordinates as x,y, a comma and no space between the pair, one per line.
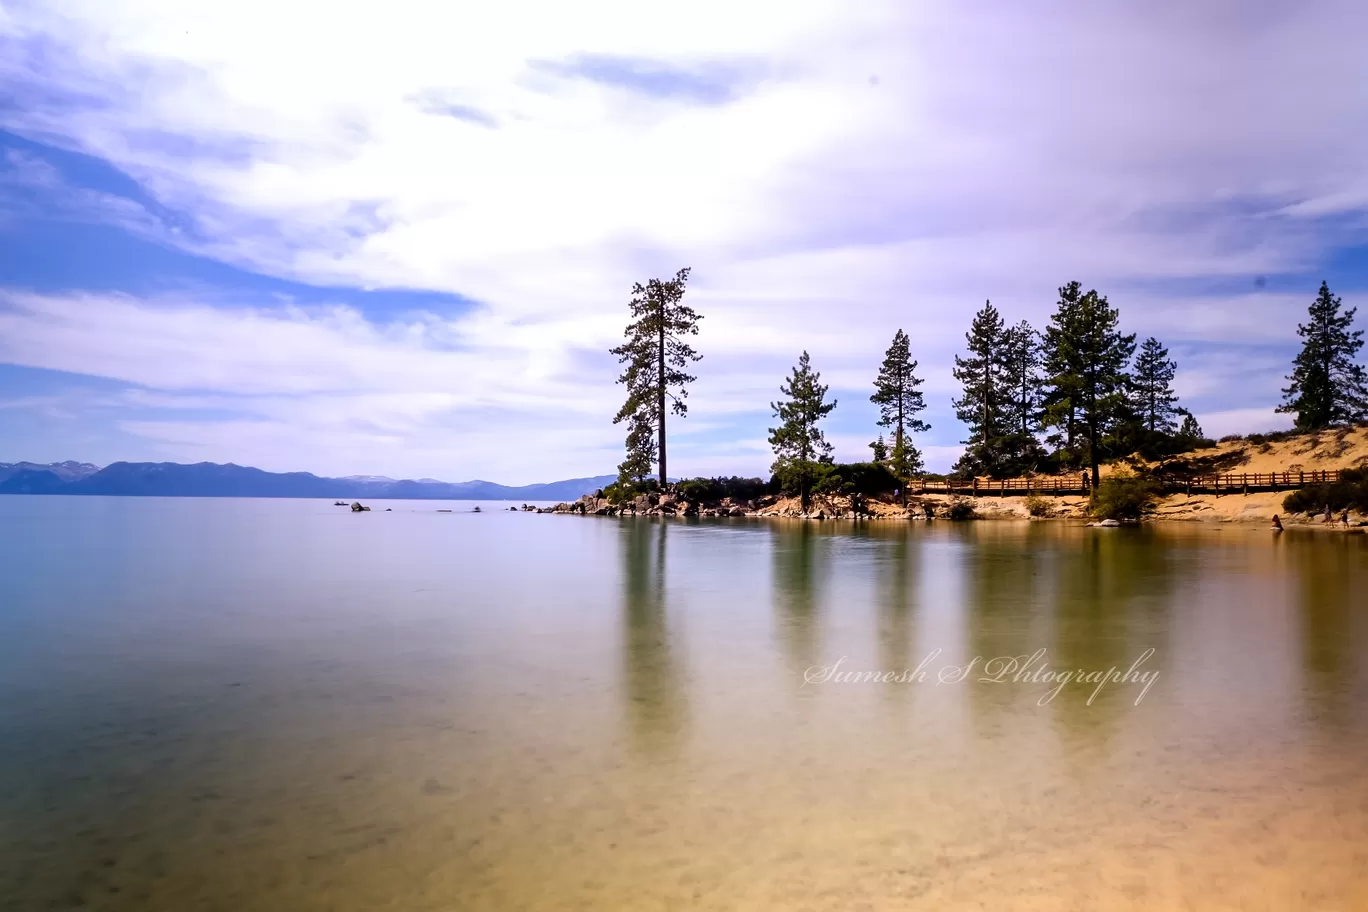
357,508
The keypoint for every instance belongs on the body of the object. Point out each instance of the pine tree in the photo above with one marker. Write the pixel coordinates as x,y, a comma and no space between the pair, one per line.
982,407
1152,385
1327,386
899,401
1022,352
1062,370
655,354
1102,383
880,449
1190,428
798,443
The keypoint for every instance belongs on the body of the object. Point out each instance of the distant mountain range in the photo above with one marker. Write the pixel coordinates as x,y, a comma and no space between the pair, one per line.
208,479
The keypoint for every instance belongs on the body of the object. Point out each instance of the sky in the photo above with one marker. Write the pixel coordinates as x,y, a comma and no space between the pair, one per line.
399,239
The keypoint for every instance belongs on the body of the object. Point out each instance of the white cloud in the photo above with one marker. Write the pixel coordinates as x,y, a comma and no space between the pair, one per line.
875,167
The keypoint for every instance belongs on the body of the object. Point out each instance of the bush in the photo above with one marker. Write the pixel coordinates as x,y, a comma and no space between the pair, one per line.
1123,497
623,491
1230,438
709,489
1038,506
1349,493
960,508
867,478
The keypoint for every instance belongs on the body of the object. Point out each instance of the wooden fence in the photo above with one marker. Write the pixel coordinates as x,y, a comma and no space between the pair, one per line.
1229,483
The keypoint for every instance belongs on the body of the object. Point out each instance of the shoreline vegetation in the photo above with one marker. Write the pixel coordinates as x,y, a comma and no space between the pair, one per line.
1077,411
1158,488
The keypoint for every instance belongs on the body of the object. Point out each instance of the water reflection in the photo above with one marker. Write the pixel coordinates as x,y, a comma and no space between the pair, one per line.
1001,583
1331,628
1111,591
797,596
897,568
653,682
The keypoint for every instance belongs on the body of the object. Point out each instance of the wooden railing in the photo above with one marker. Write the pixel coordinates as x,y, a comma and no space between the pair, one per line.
1229,483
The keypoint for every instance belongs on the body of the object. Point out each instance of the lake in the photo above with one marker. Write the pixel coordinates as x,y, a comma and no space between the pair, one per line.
280,705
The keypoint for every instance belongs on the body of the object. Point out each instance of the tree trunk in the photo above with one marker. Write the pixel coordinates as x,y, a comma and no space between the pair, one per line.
660,397
902,462
1092,439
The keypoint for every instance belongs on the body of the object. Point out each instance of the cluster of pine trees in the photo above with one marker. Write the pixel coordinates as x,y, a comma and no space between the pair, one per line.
1072,396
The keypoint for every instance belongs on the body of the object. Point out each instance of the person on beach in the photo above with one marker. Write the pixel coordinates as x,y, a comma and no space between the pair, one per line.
1328,516
1344,518
1277,523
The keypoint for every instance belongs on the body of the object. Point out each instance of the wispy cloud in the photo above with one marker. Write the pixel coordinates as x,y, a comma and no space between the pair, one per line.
709,83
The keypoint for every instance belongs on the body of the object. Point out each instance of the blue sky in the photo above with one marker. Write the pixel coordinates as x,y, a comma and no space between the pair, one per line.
401,242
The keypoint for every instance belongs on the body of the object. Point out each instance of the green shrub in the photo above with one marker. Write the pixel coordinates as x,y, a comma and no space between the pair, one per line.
709,489
1038,506
1123,497
867,478
831,483
1349,493
623,491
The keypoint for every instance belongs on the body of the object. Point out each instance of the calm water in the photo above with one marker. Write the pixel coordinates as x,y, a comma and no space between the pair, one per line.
278,705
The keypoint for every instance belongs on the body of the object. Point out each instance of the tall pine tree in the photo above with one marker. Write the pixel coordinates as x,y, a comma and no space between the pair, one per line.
899,401
798,443
1022,354
1102,382
1155,403
1019,450
983,405
655,354
1327,385
1062,372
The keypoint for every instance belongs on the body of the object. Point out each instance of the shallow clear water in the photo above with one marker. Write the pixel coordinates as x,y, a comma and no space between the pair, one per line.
277,704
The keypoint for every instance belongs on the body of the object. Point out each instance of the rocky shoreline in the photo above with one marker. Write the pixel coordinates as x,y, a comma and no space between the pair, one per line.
1248,509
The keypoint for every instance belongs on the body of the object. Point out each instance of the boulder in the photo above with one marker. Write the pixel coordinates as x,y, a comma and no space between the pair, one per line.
357,508
737,511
